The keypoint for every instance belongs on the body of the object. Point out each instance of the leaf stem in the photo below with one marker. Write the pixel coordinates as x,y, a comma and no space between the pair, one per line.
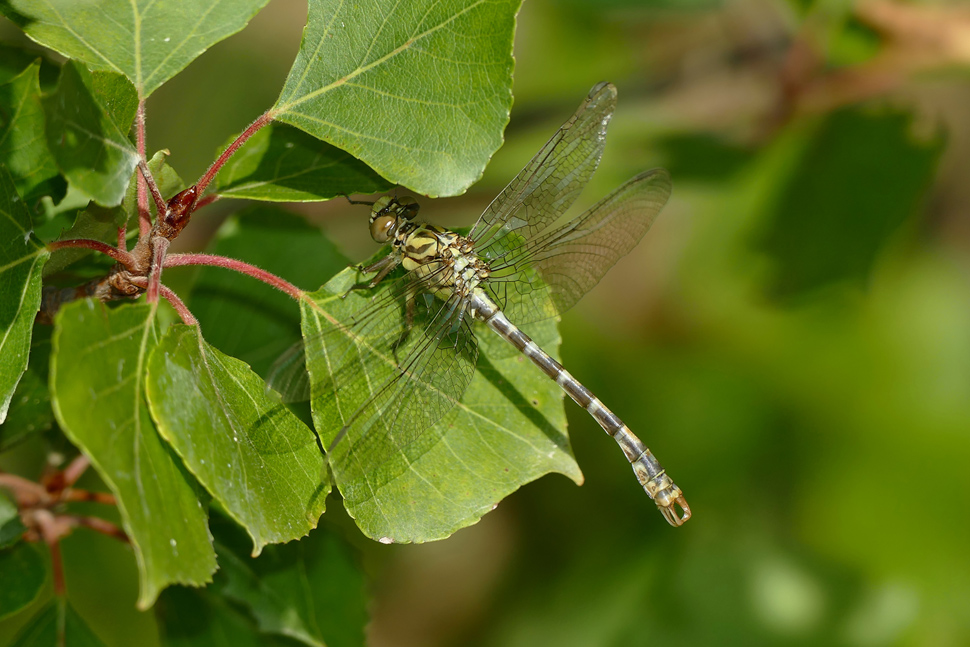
177,260
186,315
144,216
75,469
253,128
146,177
120,255
98,525
183,311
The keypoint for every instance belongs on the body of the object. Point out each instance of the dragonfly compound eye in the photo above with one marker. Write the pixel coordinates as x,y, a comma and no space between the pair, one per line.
383,227
407,207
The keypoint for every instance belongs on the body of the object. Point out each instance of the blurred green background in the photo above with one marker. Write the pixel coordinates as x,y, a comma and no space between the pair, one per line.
792,338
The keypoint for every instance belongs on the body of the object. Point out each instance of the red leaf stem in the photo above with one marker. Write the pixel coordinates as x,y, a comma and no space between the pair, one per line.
120,255
253,128
177,260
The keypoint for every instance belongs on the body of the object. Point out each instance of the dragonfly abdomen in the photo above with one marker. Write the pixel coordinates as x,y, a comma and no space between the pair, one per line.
648,470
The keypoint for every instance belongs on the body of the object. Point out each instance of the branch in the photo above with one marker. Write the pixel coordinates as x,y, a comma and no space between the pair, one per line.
177,260
144,217
159,247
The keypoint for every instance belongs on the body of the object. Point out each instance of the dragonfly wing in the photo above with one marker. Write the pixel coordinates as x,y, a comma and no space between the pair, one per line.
552,181
547,275
380,383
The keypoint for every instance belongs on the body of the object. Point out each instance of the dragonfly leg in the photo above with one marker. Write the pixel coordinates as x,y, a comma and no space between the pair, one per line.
383,267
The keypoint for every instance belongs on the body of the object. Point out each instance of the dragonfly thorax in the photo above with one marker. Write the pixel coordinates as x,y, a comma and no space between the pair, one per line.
445,260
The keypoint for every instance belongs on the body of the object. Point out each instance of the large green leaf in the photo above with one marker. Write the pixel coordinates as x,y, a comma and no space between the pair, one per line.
97,383
23,146
420,91
58,624
149,41
250,452
311,590
826,225
282,164
507,430
248,319
21,262
91,150
24,572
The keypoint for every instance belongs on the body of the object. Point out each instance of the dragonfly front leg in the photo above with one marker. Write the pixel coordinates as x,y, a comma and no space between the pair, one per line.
383,267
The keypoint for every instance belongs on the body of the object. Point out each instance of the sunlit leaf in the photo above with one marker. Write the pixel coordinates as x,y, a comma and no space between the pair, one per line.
23,145
282,164
311,590
829,224
149,41
419,91
57,624
248,319
24,572
507,430
97,381
11,527
250,452
92,152
21,261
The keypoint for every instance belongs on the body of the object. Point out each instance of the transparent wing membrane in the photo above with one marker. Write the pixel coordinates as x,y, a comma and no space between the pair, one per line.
551,182
383,374
560,265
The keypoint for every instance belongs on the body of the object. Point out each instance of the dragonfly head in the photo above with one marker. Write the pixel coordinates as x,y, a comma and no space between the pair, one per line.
388,214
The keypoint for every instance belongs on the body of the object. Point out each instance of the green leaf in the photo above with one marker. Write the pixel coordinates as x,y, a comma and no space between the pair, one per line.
14,60
250,452
420,91
146,40
21,261
282,164
23,147
30,409
97,381
199,618
11,527
824,227
117,97
90,149
24,572
248,319
311,590
507,430
58,624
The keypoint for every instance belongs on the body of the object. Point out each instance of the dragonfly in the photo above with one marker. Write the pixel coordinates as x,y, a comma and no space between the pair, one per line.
392,376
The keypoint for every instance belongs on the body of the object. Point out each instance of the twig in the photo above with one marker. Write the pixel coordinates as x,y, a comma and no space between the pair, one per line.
144,216
159,247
